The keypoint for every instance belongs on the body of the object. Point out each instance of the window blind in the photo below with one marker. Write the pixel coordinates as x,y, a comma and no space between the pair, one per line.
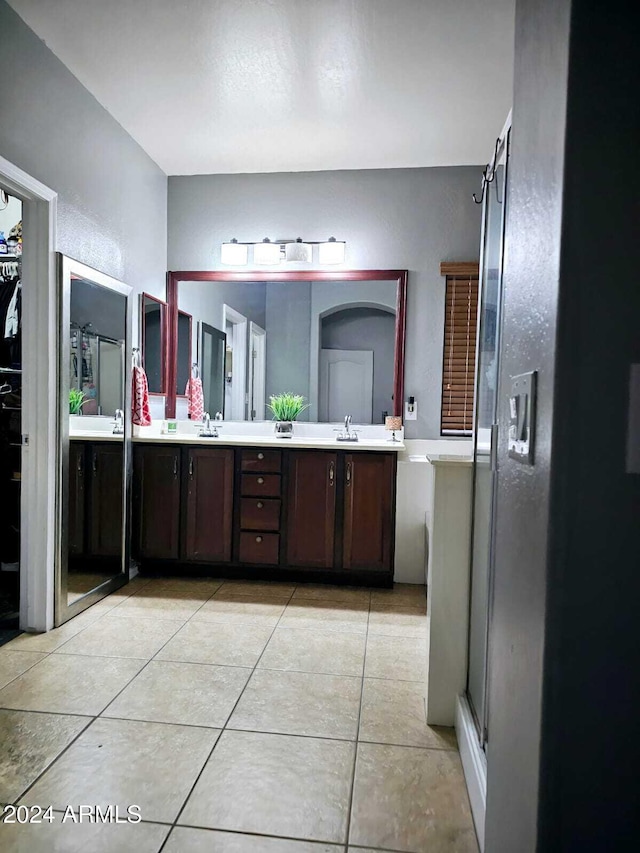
459,362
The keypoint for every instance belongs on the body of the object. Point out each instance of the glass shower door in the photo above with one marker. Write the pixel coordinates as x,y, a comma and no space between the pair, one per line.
485,436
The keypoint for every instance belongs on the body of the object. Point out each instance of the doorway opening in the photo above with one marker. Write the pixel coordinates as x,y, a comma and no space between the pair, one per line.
235,326
257,372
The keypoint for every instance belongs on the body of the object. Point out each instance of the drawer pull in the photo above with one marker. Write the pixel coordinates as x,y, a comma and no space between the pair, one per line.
260,480
259,504
258,538
332,472
260,455
348,473
175,466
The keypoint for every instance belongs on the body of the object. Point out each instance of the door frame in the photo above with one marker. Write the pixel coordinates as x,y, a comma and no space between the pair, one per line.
239,347
259,355
39,496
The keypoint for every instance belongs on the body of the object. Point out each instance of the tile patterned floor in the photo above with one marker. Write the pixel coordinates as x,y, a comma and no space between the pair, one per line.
240,717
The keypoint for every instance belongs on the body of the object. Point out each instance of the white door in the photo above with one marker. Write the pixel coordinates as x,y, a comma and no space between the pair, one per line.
257,372
346,385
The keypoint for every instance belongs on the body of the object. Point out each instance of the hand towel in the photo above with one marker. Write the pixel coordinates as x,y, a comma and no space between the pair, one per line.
195,399
140,413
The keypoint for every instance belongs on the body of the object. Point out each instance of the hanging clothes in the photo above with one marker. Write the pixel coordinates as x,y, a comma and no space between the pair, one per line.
12,319
195,398
140,411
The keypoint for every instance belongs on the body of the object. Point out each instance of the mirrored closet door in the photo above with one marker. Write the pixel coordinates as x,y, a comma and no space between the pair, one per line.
94,399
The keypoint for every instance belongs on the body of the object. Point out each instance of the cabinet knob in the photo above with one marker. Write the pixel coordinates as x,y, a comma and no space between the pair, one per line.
260,455
258,538
259,504
260,480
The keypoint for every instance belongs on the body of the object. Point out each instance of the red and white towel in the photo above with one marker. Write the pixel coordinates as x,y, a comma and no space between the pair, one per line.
195,399
140,413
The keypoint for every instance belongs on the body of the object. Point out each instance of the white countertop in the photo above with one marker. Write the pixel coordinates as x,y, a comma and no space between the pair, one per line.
271,441
449,459
94,435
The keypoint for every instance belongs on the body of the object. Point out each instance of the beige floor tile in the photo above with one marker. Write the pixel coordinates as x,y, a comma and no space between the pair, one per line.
326,616
162,604
69,684
263,611
329,652
411,800
398,622
14,663
72,837
30,742
122,638
121,762
399,658
322,592
299,703
185,585
217,642
51,640
394,712
297,787
186,693
256,589
186,840
402,594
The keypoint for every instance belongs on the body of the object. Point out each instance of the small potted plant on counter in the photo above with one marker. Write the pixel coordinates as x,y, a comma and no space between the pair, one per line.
286,409
76,401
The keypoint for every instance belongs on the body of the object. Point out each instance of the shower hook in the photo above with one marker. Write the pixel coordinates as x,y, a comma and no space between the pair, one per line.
488,174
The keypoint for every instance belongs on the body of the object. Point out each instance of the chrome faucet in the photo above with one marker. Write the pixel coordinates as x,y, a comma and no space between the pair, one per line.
348,434
206,431
118,424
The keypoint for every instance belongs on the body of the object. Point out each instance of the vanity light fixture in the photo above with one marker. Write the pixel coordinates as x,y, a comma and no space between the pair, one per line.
332,252
234,253
298,252
266,252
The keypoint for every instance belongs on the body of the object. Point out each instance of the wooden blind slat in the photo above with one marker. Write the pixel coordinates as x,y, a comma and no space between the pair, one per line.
458,374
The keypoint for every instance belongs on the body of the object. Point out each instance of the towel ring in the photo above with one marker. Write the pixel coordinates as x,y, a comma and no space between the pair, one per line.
136,358
195,370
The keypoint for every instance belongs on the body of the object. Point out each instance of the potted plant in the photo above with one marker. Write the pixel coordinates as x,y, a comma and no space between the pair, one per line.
286,409
76,401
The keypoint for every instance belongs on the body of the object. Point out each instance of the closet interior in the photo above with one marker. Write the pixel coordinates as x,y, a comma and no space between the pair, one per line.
10,411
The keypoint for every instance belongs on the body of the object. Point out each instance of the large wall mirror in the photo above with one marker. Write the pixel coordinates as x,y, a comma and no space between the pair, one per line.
153,334
335,338
94,400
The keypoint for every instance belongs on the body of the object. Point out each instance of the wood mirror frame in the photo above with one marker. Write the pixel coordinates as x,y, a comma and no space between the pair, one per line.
144,297
399,276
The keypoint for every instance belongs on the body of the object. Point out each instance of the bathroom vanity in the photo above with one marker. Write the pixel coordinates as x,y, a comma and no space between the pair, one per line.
256,509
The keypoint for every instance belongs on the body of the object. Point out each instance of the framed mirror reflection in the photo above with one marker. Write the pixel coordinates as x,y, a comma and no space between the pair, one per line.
335,338
153,342
94,393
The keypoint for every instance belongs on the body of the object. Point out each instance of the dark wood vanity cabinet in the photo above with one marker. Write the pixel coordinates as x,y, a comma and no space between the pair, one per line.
368,528
76,514
105,499
311,522
156,502
312,514
208,505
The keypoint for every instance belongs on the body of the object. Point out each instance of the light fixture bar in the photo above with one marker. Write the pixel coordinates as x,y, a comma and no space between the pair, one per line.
266,251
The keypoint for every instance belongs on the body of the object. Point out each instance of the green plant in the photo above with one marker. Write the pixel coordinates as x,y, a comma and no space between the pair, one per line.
76,401
287,407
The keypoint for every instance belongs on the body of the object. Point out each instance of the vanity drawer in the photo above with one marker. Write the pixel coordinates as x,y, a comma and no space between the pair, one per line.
261,485
259,548
260,514
269,461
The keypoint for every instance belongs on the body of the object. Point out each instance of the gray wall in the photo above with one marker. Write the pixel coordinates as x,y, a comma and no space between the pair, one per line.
288,325
562,759
111,195
366,329
391,219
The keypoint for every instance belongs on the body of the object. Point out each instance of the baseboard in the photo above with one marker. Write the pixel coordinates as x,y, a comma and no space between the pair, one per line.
474,764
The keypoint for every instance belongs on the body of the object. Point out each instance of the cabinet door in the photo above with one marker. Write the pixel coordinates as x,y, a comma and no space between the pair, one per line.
106,512
76,514
369,490
157,502
209,505
311,508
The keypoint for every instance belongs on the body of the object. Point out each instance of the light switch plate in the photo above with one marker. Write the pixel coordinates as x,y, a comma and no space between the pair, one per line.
522,417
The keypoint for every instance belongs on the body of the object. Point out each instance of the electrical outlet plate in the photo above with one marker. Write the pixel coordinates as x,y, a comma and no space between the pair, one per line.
410,416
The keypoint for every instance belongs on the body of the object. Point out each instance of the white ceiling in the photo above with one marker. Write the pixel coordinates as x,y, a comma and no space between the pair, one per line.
210,86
